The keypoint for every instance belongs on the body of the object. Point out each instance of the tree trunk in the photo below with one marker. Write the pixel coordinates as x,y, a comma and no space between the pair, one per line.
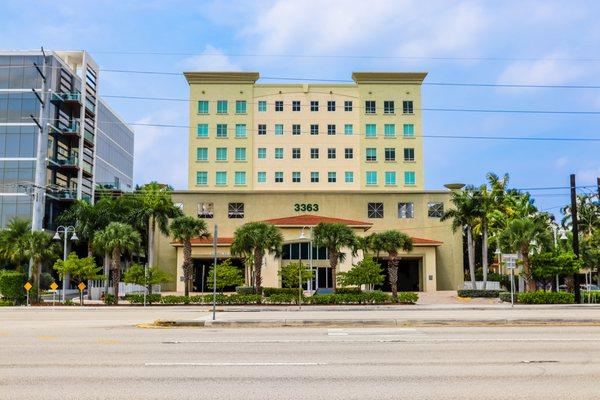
471,255
116,271
529,282
258,259
484,254
37,273
333,261
393,274
150,255
90,249
187,266
107,263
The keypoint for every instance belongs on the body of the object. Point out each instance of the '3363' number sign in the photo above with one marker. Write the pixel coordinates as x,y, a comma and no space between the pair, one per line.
306,207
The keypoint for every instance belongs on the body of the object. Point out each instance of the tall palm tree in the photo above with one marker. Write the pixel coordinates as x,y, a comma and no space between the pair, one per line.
335,237
13,241
184,229
118,238
39,249
256,239
588,215
391,242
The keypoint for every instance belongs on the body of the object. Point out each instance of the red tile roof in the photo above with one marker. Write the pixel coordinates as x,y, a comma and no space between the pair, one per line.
420,241
311,220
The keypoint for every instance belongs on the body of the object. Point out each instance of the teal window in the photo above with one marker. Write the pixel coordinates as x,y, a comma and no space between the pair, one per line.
221,153
262,177
221,130
389,130
371,154
240,154
390,178
279,153
409,130
222,107
409,178
371,130
296,177
203,107
262,153
240,177
349,176
279,129
240,131
314,177
240,106
202,130
202,154
348,129
201,178
371,177
221,178
278,177
262,106
331,177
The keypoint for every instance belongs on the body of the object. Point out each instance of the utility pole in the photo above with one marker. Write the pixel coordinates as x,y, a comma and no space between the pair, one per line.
214,305
598,183
575,223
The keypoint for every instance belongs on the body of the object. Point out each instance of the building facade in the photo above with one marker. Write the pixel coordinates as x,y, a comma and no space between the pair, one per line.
297,155
58,139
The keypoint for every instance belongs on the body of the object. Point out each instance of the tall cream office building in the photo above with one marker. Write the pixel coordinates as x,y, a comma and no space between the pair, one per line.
295,155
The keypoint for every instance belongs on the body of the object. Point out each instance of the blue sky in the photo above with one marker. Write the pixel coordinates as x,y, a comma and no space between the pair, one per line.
543,38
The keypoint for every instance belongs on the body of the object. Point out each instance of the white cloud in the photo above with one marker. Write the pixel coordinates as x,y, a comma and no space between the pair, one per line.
588,176
561,162
211,59
552,69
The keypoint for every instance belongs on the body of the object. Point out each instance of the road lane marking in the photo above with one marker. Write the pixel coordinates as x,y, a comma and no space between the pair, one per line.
233,364
394,339
372,332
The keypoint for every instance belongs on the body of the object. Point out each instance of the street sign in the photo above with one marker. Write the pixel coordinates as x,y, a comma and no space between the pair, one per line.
53,286
81,286
27,286
510,260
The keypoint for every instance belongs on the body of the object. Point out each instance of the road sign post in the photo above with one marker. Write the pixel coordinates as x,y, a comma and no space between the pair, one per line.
53,287
511,263
27,287
81,286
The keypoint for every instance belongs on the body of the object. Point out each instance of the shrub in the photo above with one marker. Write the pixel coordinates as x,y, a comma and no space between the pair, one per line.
269,291
243,299
173,299
375,297
245,290
366,272
505,297
11,287
478,293
540,297
590,297
407,297
283,298
110,299
139,298
348,290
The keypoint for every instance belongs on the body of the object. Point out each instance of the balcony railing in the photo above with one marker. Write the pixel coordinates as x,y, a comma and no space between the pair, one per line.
70,97
72,128
64,194
65,161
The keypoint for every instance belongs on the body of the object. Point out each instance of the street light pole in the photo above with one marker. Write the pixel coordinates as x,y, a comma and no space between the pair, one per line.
65,231
575,228
214,305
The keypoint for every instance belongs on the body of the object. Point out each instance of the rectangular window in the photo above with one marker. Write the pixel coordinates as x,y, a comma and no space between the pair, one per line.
235,210
296,129
221,153
371,177
278,105
348,153
388,107
221,130
314,106
370,130
407,107
205,210
331,105
331,153
279,153
240,154
296,105
201,178
261,177
314,129
371,154
409,154
240,177
406,210
370,107
349,176
202,130
348,105
389,130
240,130
390,178
409,130
296,177
296,152
262,106
314,152
375,210
240,107
390,154
262,153
331,129
278,177
222,107
279,129
221,178
409,178
314,177
262,129
203,107
435,209
348,129
202,154
331,177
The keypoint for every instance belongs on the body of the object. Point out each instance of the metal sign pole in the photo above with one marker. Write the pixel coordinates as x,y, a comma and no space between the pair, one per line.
214,306
512,286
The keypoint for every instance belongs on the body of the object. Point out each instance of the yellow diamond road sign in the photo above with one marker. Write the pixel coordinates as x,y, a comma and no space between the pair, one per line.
81,286
27,286
53,286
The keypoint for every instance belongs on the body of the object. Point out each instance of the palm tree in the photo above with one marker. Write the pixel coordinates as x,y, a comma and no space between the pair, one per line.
13,241
391,242
39,248
184,229
334,237
255,239
117,238
588,215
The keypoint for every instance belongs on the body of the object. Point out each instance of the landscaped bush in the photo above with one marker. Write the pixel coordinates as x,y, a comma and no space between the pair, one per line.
139,298
348,290
282,298
407,297
269,291
243,299
11,287
478,293
590,297
546,298
173,299
245,290
505,296
375,297
110,299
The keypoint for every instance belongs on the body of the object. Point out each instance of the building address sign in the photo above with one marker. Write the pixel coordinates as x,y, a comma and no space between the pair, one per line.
306,207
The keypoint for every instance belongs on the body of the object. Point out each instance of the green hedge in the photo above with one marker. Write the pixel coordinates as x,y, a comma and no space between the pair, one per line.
269,291
208,299
283,298
478,293
505,297
546,298
11,287
408,297
374,297
110,299
245,290
139,298
348,290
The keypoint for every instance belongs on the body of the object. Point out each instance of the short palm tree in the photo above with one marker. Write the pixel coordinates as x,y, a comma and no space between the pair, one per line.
335,237
184,229
39,249
117,238
13,241
391,242
255,239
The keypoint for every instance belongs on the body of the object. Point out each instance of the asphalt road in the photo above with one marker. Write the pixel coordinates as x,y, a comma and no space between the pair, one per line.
101,354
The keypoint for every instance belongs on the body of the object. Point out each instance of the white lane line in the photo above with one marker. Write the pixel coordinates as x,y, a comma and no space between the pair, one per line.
372,332
233,364
395,339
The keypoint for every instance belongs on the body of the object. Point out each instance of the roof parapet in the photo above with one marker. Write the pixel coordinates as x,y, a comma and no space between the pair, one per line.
389,77
221,77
